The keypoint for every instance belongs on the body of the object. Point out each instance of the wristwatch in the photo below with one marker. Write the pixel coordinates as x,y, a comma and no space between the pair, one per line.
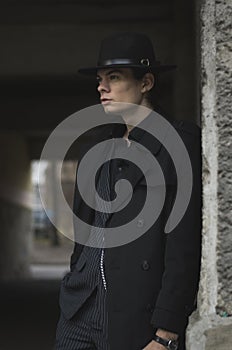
168,343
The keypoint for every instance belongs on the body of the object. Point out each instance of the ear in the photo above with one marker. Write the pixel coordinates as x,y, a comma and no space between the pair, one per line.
148,82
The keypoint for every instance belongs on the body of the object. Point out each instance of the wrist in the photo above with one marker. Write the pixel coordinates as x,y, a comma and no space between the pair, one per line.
166,334
169,344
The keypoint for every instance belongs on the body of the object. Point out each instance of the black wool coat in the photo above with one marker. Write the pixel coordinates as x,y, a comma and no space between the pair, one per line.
152,282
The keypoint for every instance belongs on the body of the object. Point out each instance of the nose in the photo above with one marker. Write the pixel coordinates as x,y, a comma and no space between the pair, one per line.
103,86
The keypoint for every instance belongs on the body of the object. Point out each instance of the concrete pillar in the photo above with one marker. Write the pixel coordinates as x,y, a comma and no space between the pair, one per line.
211,326
15,207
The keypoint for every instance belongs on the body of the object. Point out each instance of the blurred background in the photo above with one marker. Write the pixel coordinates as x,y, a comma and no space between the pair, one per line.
42,45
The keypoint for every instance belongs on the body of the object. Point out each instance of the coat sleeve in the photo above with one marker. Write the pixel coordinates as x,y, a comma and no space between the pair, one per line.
177,296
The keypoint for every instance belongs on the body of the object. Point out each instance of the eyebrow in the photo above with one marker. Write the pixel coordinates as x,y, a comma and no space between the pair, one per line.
110,72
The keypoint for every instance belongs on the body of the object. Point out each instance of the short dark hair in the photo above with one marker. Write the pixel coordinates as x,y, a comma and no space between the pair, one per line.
138,74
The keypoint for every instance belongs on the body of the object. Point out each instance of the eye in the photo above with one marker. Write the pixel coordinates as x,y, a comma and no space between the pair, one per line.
98,79
114,77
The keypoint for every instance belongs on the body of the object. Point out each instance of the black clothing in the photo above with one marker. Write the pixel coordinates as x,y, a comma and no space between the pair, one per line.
153,280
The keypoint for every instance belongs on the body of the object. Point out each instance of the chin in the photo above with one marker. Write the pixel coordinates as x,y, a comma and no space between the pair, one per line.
118,107
109,109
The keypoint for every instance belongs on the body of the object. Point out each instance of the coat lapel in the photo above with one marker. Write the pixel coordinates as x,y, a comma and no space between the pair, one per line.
147,147
135,174
87,189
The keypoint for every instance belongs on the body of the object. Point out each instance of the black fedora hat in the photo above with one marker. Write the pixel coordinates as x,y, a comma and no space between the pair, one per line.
131,50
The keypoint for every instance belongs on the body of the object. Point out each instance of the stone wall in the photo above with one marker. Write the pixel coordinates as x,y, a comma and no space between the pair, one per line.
223,20
211,326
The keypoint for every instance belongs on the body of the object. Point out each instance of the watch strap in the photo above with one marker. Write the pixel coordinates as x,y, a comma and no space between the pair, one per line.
168,343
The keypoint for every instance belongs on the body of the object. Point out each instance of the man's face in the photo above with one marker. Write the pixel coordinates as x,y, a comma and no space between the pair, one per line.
118,85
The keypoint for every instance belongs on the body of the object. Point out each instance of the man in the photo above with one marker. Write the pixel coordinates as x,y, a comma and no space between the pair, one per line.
136,295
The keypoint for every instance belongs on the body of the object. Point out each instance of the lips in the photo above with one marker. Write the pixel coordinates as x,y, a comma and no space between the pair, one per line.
105,100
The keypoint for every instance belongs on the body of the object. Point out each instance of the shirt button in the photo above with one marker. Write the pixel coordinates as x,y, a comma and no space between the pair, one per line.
140,222
145,265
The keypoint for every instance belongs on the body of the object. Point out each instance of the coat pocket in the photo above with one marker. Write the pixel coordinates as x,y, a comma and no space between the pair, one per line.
71,300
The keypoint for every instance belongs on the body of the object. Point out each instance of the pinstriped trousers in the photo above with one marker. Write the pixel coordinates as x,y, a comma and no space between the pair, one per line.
87,330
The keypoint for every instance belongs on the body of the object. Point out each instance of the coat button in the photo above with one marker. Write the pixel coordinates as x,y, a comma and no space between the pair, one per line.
145,265
119,168
140,222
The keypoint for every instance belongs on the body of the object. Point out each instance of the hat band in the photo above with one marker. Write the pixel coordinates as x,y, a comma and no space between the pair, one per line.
125,61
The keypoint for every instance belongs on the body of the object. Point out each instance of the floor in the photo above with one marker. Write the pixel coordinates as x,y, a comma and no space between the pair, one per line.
29,313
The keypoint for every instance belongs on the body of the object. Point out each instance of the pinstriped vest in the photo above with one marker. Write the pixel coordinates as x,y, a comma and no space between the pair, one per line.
94,271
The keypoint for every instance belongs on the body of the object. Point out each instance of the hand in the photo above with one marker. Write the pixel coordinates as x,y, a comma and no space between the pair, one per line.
153,345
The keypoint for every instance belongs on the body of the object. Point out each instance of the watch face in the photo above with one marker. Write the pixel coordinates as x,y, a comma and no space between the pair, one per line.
173,345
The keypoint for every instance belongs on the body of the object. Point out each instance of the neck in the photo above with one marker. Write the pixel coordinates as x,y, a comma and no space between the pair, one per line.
134,116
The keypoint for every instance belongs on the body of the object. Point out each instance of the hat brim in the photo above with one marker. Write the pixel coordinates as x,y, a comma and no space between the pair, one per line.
155,69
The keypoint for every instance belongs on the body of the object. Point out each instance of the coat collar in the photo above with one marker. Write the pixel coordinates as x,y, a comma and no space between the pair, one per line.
143,137
138,136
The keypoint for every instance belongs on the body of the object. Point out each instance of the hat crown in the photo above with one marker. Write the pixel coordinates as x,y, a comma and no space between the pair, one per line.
127,50
132,46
